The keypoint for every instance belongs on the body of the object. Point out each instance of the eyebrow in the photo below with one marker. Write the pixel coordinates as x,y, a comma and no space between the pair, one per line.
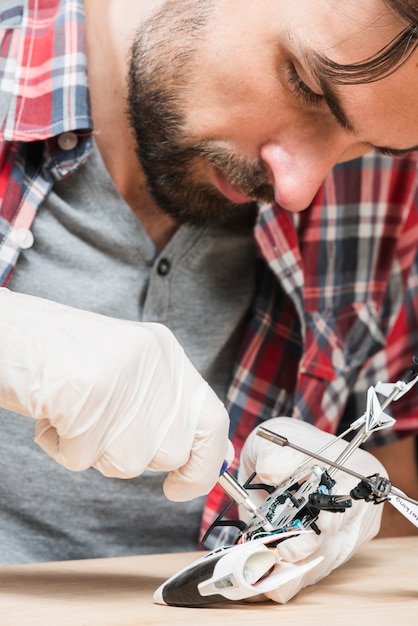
334,103
328,92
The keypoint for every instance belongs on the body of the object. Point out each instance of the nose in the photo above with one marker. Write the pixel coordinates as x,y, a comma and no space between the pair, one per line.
298,171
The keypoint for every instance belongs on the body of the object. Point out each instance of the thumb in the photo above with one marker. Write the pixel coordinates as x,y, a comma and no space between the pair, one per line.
210,448
275,465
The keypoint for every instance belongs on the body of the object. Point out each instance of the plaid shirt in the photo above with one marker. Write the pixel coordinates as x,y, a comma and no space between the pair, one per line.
336,305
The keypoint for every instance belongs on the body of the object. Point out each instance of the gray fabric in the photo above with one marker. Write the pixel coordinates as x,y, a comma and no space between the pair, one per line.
90,251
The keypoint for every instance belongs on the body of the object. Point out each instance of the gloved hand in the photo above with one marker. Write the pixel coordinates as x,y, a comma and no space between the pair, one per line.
110,394
341,533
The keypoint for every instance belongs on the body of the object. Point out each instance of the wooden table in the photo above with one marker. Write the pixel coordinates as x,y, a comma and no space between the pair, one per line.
378,586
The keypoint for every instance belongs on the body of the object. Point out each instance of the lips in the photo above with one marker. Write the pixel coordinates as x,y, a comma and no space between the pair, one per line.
228,190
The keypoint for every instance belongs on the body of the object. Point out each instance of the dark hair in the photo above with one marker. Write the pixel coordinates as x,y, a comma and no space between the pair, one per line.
386,60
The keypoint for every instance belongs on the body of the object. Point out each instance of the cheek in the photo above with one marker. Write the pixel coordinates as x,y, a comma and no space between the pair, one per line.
238,104
354,151
246,114
229,90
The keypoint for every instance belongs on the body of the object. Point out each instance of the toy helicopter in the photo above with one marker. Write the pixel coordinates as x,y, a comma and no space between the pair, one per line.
253,565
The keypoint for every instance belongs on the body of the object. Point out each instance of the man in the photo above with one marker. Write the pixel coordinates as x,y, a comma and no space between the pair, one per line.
223,108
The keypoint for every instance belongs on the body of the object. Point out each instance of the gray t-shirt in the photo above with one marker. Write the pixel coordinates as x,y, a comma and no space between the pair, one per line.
91,252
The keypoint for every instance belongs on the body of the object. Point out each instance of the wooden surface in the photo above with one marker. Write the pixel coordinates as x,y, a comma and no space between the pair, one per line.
377,586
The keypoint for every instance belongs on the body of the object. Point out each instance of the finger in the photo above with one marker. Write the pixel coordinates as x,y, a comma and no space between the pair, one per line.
47,438
272,463
210,449
285,592
275,465
299,548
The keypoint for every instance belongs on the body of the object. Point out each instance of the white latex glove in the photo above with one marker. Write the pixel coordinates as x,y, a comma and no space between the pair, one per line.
115,395
341,533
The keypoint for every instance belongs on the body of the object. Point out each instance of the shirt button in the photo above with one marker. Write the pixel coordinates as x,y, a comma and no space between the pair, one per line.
67,141
24,238
163,267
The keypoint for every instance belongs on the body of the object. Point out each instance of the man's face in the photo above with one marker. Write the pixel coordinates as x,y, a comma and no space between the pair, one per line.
226,106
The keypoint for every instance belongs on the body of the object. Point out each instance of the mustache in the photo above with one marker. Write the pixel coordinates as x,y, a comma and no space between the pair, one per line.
248,177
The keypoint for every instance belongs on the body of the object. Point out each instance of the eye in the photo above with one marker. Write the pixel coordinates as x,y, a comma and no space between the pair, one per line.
301,89
392,152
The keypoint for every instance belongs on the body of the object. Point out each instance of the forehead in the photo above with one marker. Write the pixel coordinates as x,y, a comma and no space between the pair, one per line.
347,31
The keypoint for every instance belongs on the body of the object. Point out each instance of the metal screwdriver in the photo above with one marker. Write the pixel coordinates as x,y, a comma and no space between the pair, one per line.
240,496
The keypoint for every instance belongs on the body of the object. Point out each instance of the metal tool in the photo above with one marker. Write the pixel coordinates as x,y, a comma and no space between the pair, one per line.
240,496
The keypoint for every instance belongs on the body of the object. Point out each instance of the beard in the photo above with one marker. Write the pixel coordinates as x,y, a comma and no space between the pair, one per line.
171,161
